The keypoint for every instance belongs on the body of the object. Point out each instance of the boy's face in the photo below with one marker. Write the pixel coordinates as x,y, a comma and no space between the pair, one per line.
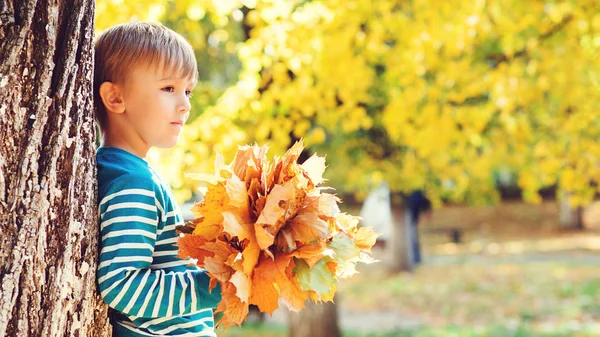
157,104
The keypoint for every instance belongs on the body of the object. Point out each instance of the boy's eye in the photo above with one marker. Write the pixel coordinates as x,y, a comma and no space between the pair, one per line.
188,93
169,89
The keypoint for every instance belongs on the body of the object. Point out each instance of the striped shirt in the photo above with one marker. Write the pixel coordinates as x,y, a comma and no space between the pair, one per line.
151,292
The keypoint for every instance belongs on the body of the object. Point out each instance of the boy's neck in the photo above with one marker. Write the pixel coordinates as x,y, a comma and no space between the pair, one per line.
136,148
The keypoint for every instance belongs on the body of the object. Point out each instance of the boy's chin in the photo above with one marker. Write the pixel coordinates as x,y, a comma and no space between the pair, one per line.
167,144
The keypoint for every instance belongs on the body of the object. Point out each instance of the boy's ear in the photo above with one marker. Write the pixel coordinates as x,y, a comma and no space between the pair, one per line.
112,97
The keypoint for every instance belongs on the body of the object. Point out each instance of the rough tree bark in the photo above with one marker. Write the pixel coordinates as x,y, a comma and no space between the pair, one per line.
315,320
48,225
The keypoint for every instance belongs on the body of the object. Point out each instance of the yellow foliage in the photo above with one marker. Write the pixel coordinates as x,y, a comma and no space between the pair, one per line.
439,96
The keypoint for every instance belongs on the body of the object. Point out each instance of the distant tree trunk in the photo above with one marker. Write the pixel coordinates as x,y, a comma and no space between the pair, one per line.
570,217
401,245
316,320
48,224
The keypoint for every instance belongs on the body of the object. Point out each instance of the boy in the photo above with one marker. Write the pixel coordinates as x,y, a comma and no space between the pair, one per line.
144,74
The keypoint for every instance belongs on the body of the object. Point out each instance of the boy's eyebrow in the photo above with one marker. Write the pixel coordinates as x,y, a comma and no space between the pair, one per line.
170,78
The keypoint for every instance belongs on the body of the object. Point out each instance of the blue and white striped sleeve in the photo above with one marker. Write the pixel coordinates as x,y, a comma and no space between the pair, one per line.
129,215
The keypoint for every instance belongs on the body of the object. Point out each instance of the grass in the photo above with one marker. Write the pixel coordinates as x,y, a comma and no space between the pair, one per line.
482,295
503,300
448,331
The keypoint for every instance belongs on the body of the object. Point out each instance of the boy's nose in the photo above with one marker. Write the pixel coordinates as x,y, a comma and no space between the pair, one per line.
185,105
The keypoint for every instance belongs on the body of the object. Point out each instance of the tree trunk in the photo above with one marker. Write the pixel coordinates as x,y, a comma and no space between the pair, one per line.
570,217
400,253
48,220
315,320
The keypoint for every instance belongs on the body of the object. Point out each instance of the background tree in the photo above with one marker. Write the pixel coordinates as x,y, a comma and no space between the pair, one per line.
48,246
444,98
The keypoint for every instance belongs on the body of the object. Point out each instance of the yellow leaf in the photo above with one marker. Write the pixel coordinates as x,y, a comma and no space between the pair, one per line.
365,238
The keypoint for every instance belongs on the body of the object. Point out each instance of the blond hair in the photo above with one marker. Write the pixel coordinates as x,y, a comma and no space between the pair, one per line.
123,47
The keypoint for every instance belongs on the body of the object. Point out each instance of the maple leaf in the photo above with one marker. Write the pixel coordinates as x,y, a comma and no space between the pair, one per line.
236,226
313,252
272,174
314,167
291,292
235,261
216,264
346,254
250,255
241,281
248,162
289,165
347,222
255,190
233,309
323,204
192,246
237,194
318,278
280,206
344,247
264,294
210,209
303,228
329,297
365,238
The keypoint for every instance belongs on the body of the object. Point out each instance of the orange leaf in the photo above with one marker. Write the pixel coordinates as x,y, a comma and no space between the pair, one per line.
272,175
233,309
218,269
210,209
235,261
208,230
254,193
280,272
250,257
263,238
242,159
248,161
291,292
326,205
303,228
213,283
216,198
289,165
264,295
237,193
241,282
236,226
279,207
312,253
259,205
191,246
217,264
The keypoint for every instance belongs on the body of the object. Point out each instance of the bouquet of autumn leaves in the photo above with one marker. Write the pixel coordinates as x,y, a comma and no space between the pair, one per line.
267,231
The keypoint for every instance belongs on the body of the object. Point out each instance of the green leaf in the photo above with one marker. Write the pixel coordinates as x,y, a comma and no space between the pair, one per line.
319,278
